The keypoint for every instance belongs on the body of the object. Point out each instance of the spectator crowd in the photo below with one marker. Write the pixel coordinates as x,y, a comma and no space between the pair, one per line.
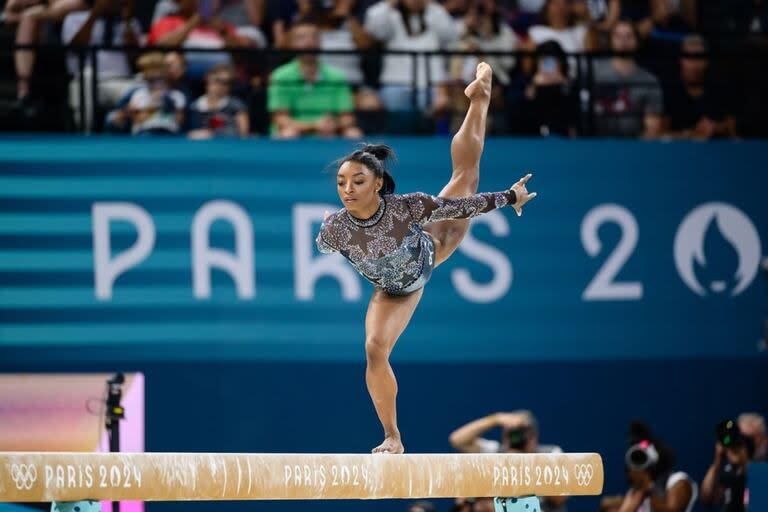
651,69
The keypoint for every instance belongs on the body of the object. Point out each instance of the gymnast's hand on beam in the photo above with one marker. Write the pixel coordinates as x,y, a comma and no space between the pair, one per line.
521,194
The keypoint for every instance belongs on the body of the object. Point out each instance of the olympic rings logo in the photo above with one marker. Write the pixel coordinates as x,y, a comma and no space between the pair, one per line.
24,476
583,473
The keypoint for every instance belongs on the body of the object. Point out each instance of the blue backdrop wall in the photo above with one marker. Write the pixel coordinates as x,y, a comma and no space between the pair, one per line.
631,288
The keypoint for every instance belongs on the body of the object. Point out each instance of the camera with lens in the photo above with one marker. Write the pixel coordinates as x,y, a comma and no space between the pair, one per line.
728,434
641,456
518,437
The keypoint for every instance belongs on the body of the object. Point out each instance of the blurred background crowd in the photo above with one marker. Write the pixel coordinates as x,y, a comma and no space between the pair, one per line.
653,69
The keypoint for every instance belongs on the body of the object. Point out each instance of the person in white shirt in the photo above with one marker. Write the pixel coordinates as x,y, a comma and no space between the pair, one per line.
559,25
483,29
412,25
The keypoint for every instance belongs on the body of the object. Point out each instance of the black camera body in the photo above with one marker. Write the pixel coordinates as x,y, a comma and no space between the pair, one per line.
728,434
518,438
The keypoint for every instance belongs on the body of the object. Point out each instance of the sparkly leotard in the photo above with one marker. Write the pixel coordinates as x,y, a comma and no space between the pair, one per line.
390,249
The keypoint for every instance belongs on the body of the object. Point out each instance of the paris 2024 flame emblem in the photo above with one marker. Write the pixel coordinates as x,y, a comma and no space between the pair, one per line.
717,250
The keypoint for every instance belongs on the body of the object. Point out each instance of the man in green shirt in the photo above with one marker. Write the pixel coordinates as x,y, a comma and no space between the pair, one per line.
307,97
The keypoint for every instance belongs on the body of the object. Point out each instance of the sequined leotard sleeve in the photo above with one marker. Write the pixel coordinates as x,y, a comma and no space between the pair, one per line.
390,249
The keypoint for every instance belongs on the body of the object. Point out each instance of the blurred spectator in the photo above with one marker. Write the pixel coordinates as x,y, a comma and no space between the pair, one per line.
307,97
473,505
196,24
696,108
551,104
519,434
422,506
109,22
734,20
152,108
341,29
177,73
248,16
627,99
559,25
752,425
610,503
530,6
757,19
520,14
412,25
217,113
725,483
654,486
601,16
343,15
663,18
282,15
29,14
481,29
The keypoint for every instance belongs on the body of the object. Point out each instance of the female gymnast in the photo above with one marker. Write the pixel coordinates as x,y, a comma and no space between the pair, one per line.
395,241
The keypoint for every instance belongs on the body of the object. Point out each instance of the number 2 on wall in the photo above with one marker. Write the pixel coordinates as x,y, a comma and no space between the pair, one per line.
603,286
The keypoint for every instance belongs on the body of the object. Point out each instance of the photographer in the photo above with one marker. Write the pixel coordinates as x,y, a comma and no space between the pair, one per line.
519,434
654,486
726,480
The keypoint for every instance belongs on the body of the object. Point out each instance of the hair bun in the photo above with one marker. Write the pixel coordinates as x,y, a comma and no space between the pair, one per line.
382,152
639,431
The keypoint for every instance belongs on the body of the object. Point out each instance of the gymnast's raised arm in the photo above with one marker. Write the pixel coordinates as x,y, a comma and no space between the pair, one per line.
427,208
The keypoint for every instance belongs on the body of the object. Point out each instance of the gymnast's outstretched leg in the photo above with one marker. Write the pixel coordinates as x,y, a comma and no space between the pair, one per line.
466,149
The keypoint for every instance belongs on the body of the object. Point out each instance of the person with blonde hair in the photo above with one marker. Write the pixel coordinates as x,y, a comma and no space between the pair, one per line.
153,108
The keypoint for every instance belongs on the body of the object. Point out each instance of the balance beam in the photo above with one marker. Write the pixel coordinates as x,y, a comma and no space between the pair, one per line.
45,476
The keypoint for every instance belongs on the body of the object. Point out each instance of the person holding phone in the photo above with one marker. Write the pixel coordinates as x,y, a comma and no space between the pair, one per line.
551,103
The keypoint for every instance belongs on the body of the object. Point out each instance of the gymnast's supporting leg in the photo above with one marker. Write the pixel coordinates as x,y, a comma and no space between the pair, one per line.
387,315
466,149
385,321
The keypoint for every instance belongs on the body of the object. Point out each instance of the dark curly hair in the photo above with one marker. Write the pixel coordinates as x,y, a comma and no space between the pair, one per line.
375,157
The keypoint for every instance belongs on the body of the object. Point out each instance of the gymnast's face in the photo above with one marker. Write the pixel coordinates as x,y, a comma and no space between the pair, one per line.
358,189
